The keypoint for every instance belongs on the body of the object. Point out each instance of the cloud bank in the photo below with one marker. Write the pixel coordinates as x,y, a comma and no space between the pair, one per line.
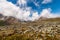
48,14
23,12
46,1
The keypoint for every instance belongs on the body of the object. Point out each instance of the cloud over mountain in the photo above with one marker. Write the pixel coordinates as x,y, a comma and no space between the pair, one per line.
48,14
23,12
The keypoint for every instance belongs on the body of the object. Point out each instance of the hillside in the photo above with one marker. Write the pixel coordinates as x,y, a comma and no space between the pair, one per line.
42,29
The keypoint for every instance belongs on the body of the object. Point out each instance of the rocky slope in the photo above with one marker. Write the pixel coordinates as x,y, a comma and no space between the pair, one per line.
42,29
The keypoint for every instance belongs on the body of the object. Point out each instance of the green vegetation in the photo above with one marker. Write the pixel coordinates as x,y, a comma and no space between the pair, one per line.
2,23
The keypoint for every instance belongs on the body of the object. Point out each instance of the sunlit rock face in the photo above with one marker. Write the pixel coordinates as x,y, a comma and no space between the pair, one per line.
11,20
8,20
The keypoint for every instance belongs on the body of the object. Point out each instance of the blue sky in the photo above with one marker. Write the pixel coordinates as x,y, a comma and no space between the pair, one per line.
54,5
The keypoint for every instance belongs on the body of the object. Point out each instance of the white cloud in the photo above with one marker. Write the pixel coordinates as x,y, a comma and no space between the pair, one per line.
21,2
46,1
48,14
9,9
35,16
36,3
2,0
45,12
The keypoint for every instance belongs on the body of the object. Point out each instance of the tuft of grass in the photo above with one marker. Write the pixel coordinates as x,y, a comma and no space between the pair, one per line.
2,23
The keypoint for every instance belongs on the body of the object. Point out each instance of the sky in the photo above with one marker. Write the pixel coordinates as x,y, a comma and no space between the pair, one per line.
54,5
30,10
